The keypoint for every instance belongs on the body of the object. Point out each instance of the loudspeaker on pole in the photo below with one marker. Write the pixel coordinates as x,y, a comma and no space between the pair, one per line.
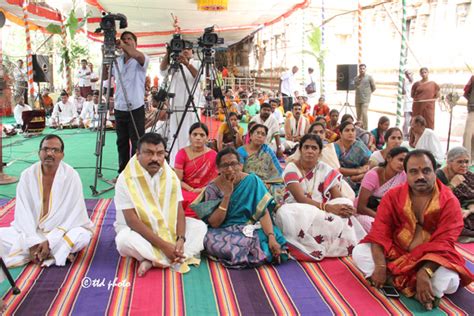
345,77
41,69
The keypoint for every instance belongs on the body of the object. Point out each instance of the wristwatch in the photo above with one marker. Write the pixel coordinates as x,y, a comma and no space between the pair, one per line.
429,272
181,237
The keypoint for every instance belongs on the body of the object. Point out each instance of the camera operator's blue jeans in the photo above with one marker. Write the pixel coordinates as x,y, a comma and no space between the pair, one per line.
126,133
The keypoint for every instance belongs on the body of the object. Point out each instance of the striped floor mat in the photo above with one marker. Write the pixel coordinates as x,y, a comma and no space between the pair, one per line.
99,282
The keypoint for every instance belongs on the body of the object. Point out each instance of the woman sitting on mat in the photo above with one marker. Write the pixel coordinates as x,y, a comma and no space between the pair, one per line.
195,165
361,134
224,134
378,133
457,176
377,182
393,138
237,207
315,219
259,158
353,155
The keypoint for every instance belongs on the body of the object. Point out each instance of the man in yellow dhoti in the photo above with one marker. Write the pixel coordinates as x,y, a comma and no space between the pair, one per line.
51,221
150,224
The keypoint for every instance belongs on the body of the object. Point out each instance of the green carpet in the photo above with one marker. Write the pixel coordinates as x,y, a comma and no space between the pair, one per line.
20,152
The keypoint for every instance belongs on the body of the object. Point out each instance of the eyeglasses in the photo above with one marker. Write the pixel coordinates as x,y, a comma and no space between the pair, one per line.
52,150
460,162
151,153
230,164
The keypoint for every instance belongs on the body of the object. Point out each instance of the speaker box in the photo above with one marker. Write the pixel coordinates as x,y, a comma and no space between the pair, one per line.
41,70
345,77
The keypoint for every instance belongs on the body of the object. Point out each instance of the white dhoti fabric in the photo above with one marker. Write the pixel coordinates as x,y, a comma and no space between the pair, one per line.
444,281
156,201
318,233
131,244
66,226
15,244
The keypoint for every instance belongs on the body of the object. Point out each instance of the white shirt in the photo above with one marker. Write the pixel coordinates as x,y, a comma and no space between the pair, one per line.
288,83
20,74
84,77
179,88
88,110
133,77
408,104
65,112
271,123
78,102
123,201
278,116
429,141
93,75
19,109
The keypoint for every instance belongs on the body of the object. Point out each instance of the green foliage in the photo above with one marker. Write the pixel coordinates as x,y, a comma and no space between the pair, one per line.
315,43
73,50
53,29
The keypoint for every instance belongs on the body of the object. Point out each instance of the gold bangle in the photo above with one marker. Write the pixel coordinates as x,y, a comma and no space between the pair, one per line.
429,272
222,208
381,265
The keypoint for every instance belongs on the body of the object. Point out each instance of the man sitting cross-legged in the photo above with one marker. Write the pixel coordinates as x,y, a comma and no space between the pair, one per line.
411,243
51,221
150,224
296,125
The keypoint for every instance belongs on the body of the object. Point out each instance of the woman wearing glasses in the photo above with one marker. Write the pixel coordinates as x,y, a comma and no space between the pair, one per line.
457,176
237,207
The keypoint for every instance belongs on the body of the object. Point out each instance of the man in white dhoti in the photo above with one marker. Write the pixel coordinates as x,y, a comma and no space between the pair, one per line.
19,109
150,224
178,86
51,221
296,126
425,138
273,126
89,110
411,244
64,112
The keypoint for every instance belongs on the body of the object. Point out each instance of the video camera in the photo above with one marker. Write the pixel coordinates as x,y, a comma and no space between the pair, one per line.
209,38
107,25
177,44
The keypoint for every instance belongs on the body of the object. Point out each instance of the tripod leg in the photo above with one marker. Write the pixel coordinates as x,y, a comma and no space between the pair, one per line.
4,268
188,102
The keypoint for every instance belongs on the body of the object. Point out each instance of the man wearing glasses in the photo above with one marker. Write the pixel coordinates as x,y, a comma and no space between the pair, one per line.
150,223
51,222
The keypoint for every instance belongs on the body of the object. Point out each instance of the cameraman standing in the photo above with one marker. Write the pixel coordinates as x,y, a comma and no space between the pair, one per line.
132,65
178,103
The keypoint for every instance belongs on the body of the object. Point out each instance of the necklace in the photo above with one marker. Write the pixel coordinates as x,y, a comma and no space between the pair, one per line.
309,184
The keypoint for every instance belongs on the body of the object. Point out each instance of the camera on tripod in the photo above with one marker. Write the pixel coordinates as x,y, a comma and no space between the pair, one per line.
177,44
209,38
107,25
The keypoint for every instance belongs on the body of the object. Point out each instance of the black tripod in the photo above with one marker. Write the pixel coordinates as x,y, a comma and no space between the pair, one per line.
163,95
208,64
348,106
15,290
107,63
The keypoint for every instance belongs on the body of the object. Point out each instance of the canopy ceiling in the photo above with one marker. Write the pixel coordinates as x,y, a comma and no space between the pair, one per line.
153,21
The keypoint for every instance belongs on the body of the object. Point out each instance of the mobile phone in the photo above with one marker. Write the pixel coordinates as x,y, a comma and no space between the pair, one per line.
390,291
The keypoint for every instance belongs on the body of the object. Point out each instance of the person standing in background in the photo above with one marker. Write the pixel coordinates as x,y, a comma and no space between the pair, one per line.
468,139
424,94
288,88
364,87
